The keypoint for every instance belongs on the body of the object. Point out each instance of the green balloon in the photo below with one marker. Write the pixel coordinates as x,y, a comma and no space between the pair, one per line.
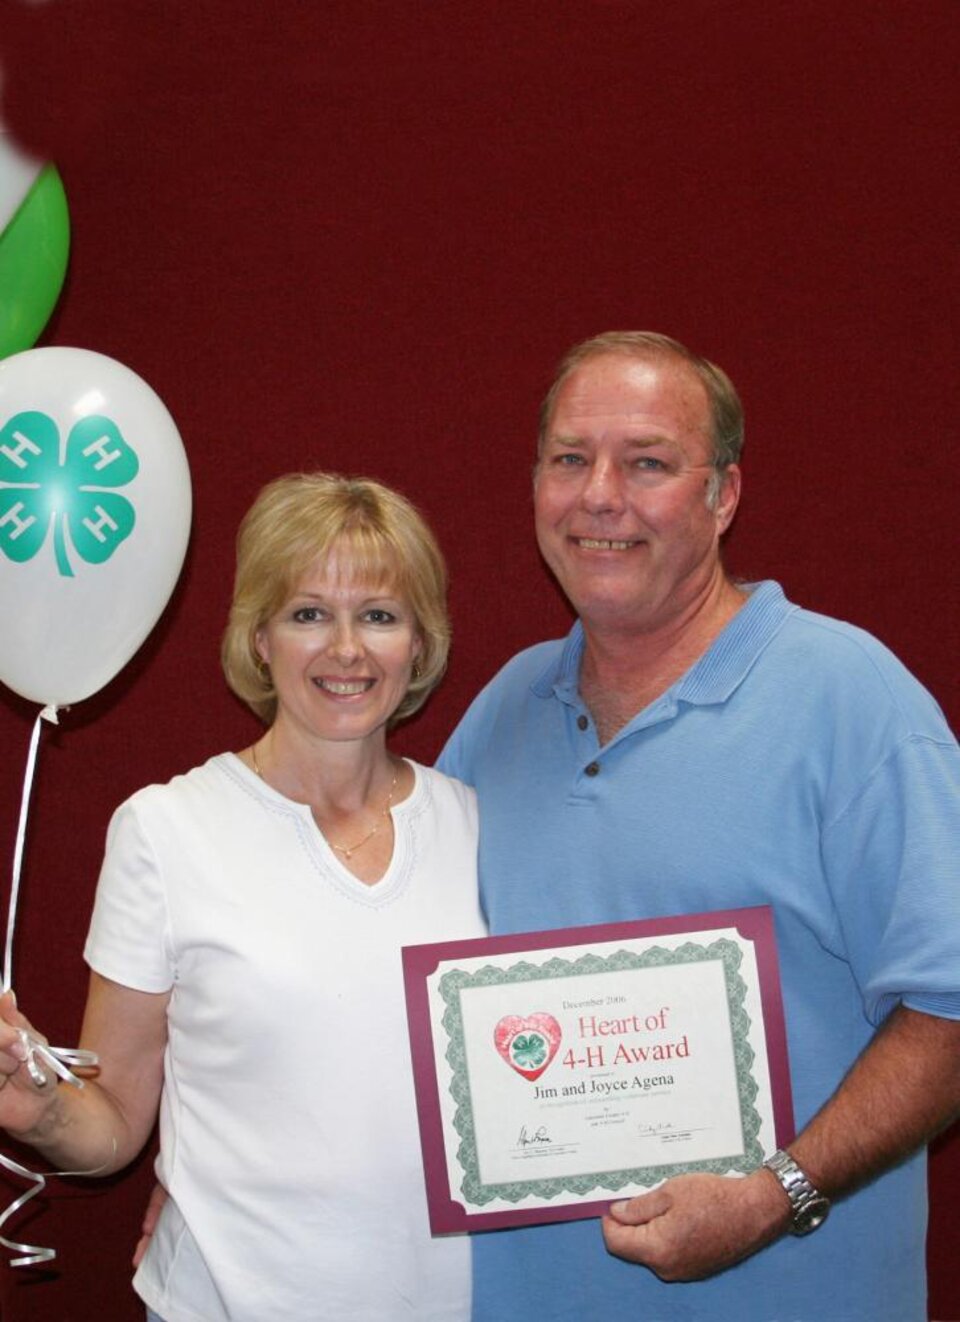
33,262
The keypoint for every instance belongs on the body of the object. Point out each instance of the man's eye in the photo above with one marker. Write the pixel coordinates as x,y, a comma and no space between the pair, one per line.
649,463
568,459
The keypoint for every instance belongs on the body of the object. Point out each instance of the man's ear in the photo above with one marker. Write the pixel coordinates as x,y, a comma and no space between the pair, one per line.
728,498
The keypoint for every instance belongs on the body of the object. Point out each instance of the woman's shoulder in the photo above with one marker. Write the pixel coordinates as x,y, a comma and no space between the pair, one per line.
199,789
445,791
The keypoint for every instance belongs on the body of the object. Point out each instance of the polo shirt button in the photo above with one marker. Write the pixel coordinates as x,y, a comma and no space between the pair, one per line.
593,769
582,722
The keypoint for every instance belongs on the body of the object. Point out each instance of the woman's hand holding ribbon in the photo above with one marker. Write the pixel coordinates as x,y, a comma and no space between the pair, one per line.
27,1092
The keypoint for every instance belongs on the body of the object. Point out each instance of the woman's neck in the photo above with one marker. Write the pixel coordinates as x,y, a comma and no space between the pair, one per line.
349,786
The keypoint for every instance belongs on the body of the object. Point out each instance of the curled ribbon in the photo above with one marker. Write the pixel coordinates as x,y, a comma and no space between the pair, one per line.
30,1254
59,1059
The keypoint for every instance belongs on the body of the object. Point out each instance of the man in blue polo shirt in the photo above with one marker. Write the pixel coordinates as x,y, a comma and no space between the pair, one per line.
699,744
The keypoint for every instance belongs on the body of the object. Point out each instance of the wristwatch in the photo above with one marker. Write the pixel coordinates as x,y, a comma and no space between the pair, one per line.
810,1208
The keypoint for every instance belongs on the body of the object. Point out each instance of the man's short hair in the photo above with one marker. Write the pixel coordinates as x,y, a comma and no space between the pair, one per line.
726,411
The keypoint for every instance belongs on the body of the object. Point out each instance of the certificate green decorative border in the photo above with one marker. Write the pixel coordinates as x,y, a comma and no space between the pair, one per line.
453,982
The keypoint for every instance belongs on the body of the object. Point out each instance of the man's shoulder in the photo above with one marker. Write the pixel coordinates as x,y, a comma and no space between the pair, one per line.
856,667
530,664
843,642
532,670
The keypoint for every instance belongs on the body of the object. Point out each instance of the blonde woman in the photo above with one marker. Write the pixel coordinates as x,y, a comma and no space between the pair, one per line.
244,947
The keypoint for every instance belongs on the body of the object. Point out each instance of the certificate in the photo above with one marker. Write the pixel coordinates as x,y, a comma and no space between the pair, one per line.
557,1071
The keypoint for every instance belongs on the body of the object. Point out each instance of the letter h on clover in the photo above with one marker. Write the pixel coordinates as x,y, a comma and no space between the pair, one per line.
39,490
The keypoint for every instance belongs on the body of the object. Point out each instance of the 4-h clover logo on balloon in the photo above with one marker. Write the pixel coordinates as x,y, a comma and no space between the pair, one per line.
37,489
93,530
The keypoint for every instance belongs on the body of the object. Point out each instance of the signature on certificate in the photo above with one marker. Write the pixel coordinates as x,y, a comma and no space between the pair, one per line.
527,1140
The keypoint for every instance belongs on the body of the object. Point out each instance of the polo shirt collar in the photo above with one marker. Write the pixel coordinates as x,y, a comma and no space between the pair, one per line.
720,670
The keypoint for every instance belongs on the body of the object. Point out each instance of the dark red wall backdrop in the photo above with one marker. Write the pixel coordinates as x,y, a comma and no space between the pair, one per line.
358,235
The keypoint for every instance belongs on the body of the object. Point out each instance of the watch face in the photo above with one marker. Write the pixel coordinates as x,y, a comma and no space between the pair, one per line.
811,1215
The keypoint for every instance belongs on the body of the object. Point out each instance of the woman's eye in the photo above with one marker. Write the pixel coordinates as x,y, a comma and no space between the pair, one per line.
379,616
307,614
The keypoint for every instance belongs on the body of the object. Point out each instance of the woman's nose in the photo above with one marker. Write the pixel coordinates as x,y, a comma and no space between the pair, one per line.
345,645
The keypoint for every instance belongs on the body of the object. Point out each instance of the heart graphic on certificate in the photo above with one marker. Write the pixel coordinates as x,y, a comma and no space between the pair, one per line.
528,1045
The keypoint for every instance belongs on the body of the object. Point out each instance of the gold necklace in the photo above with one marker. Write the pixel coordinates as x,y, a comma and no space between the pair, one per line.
346,850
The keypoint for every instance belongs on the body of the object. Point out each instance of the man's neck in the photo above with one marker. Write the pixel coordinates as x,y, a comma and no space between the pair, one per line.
624,670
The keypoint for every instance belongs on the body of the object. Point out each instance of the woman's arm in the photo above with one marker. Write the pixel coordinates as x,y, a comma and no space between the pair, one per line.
101,1127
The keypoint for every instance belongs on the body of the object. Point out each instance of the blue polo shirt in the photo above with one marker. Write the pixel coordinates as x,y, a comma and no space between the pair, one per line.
796,764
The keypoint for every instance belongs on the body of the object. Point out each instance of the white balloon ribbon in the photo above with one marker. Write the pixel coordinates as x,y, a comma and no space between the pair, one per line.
48,714
59,1059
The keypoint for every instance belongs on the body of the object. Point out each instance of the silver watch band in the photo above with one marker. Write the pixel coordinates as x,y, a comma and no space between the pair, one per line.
809,1207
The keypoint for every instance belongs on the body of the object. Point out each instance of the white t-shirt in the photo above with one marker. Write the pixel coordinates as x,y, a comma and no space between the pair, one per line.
288,1133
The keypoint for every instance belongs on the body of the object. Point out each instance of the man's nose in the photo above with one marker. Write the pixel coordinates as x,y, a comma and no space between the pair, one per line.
603,490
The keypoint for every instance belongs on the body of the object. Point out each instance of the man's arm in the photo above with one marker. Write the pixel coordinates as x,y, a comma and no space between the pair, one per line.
903,1089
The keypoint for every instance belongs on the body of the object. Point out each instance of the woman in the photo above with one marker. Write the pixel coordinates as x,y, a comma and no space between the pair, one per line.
245,944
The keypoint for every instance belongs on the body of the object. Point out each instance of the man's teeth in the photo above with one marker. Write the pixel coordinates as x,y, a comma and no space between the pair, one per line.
344,687
602,544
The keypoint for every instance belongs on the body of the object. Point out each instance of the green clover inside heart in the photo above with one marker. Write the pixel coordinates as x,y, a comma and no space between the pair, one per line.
528,1050
38,490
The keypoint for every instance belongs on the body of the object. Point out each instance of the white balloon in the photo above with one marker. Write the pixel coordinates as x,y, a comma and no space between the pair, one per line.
18,174
95,508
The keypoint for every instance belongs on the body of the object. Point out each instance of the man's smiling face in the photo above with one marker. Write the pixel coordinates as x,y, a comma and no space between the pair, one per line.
623,491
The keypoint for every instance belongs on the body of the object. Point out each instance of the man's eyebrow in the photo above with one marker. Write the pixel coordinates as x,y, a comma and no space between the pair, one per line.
647,442
639,442
560,439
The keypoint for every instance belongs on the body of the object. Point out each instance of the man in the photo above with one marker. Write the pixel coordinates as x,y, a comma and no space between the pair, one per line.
693,745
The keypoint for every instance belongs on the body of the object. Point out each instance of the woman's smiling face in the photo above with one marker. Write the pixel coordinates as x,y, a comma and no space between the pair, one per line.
340,652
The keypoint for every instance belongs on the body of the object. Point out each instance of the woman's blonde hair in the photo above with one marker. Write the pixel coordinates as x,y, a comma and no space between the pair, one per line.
300,519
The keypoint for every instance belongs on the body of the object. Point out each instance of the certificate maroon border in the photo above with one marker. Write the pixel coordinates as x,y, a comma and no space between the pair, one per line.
448,1215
